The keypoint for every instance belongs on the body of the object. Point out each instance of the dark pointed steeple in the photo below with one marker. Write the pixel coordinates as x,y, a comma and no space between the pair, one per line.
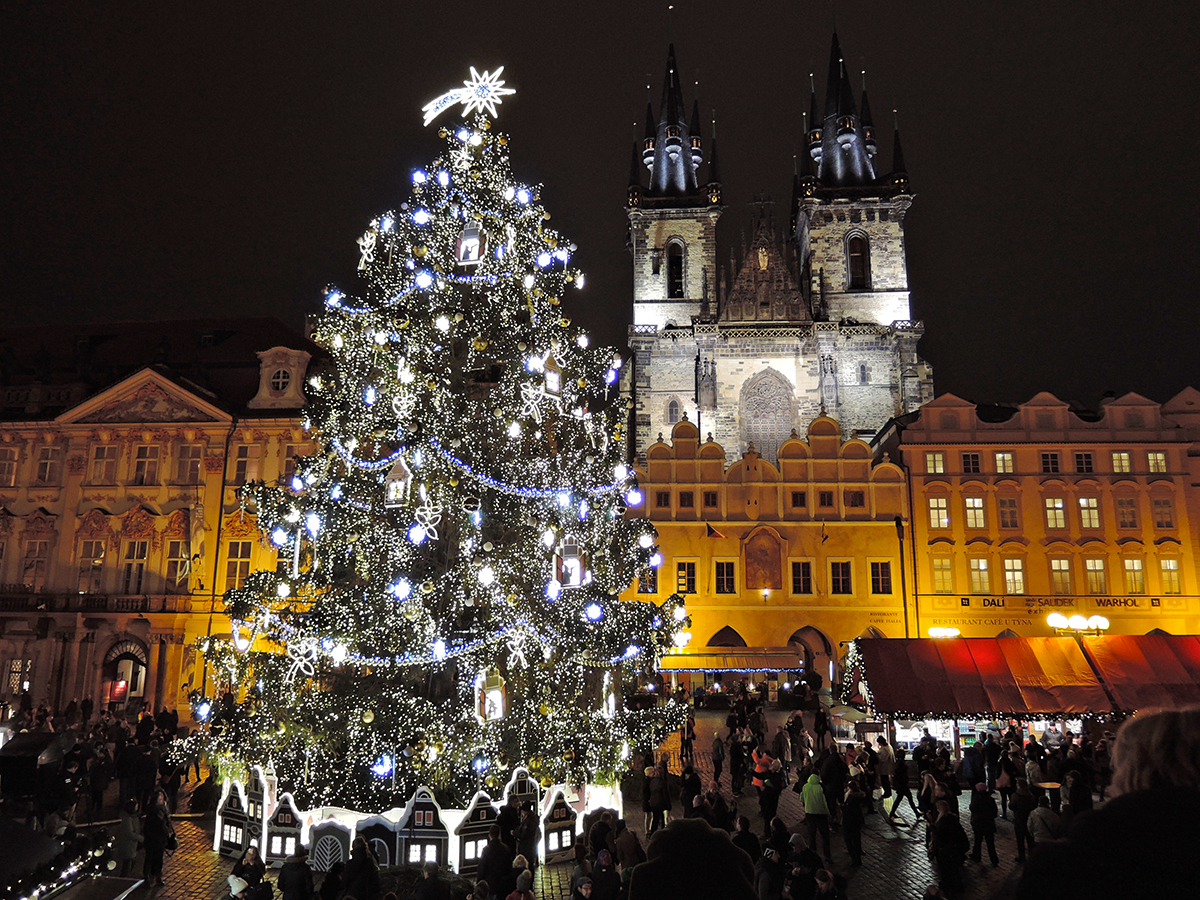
844,159
899,175
815,121
651,133
714,169
868,126
677,149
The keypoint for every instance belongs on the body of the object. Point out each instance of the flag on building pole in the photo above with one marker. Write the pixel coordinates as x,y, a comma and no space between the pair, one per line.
712,532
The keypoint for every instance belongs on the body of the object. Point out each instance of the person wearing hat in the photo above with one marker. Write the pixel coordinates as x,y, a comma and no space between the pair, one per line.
583,888
606,883
295,881
524,889
237,887
983,823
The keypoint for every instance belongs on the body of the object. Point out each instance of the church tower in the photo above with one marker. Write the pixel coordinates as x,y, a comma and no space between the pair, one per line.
672,237
812,321
672,223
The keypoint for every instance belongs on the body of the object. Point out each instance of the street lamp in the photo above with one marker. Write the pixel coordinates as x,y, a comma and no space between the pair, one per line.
944,632
1076,624
766,594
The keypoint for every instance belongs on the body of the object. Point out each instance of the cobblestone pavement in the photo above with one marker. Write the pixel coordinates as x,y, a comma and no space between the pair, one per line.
895,866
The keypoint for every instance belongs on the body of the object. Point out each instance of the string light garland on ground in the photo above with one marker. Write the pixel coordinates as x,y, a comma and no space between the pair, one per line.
452,555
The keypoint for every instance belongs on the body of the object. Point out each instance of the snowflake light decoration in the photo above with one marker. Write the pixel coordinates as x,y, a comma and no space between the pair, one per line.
479,92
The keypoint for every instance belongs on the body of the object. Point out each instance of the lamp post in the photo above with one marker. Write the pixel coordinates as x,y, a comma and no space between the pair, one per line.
1077,625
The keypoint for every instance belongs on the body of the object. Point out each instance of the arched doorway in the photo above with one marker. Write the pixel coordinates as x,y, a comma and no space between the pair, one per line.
815,649
123,674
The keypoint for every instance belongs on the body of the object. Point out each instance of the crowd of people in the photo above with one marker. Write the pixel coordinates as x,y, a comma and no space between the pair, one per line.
103,749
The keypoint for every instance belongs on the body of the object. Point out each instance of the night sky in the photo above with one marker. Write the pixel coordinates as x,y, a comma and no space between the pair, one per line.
178,160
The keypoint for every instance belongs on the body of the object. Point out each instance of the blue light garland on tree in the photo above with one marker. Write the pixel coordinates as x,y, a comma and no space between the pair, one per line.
446,601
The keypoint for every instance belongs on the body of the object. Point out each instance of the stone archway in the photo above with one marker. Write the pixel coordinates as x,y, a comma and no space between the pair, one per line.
815,648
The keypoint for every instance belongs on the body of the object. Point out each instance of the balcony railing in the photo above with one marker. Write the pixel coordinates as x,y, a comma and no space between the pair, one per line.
21,598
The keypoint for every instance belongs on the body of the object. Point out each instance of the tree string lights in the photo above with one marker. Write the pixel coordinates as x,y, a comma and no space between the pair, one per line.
446,541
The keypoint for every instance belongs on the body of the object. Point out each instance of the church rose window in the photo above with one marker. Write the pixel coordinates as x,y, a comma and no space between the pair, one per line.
767,413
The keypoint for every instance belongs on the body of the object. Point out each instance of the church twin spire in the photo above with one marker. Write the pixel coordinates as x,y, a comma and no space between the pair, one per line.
841,138
673,148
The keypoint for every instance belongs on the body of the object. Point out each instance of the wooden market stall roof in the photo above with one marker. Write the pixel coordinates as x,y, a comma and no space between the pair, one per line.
1147,671
950,677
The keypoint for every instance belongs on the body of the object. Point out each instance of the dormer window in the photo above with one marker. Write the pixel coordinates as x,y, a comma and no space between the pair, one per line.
280,379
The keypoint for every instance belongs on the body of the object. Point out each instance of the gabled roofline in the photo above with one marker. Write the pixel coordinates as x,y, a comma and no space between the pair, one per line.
146,375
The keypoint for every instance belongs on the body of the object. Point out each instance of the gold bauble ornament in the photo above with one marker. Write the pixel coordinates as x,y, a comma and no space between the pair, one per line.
420,250
502,759
411,611
564,321
503,139
544,709
419,746
427,587
535,762
368,716
453,481
546,216
582,382
431,384
554,301
439,747
568,756
547,783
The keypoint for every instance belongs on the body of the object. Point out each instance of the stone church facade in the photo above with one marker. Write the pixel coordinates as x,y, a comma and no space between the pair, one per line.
814,320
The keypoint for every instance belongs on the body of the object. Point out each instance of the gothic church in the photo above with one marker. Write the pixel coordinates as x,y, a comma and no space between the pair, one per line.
817,320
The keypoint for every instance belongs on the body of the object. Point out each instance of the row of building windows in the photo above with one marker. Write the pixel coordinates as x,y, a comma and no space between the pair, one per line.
1008,512
841,577
1062,580
1051,462
148,464
825,499
132,566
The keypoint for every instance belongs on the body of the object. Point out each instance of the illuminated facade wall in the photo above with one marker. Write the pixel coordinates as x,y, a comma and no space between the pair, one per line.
817,532
120,529
1022,511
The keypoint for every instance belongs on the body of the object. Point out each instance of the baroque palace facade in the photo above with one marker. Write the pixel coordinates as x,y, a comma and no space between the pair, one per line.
121,450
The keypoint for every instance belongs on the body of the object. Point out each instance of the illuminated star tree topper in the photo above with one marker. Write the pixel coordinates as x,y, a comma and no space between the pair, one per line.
479,92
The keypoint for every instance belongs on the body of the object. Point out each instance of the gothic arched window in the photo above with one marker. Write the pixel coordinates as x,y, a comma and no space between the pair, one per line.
672,412
675,271
767,412
862,373
859,262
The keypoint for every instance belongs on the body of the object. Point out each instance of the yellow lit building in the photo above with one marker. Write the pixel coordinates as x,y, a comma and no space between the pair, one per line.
1026,510
121,451
780,564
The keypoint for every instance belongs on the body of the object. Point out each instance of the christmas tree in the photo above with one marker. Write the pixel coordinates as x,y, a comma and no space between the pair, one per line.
446,601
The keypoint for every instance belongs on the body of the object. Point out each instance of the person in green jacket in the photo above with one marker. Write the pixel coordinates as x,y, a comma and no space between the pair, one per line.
816,814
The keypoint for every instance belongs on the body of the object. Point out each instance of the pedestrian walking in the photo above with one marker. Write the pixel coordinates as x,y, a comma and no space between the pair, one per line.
295,881
718,755
852,823
157,835
816,814
1023,803
983,823
129,838
886,765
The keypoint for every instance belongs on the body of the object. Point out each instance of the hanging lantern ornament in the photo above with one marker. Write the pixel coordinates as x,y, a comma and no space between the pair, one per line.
492,699
397,485
470,246
553,375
